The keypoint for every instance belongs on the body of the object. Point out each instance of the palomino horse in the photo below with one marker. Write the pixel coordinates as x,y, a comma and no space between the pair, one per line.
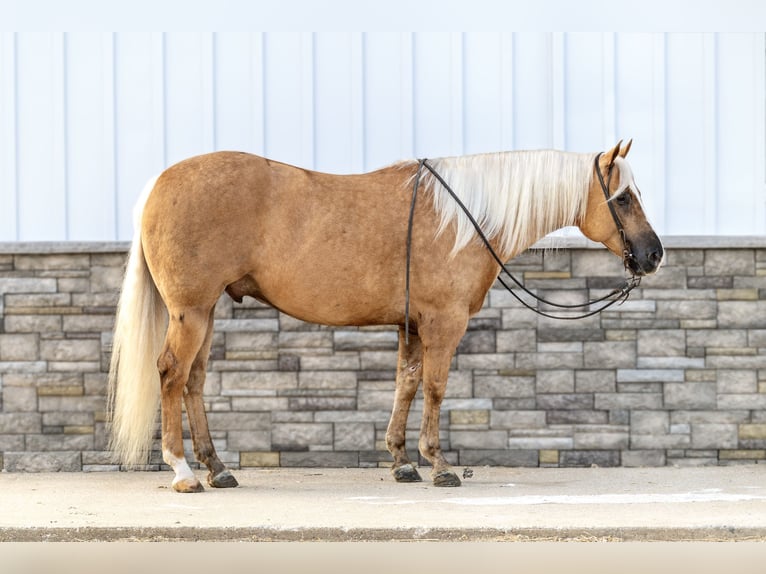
331,249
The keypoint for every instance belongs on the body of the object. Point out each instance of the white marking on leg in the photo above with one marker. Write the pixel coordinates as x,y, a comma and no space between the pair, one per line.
179,466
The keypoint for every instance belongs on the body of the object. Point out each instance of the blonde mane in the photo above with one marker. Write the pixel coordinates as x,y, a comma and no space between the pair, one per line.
516,197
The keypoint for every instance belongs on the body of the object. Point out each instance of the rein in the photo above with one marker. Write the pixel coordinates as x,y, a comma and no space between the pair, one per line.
621,293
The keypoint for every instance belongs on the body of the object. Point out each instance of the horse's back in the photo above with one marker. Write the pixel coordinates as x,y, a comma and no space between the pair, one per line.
316,245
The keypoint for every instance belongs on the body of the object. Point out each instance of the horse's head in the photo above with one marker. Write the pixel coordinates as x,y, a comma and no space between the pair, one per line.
615,215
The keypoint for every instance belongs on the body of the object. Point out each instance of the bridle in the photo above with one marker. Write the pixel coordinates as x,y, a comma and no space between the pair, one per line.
617,295
627,251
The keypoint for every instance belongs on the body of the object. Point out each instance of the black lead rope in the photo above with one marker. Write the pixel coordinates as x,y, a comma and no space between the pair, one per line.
621,293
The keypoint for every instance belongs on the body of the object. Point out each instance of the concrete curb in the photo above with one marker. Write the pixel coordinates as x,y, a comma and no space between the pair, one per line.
498,504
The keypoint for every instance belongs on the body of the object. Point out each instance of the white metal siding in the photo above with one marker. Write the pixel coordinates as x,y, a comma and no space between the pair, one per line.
87,118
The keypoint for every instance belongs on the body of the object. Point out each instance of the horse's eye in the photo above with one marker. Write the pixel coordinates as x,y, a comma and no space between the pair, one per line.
623,200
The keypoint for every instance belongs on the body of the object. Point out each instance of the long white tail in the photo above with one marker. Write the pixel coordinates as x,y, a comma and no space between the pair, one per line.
134,384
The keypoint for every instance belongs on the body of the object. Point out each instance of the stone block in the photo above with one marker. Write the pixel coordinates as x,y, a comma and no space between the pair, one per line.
59,442
709,416
752,431
595,381
577,417
549,457
19,399
499,386
565,401
727,262
231,421
610,355
319,459
478,342
670,362
249,440
32,324
742,402
349,361
459,384
601,440
258,459
650,422
518,318
482,361
499,457
742,454
657,442
750,294
469,417
300,436
661,342
714,436
316,404
595,263
251,341
517,419
105,279
588,458
87,323
560,347
687,309
20,423
251,383
258,404
365,340
52,262
354,436
549,361
327,380
541,443
27,285
555,381
246,325
716,338
643,458
42,461
70,350
737,381
628,401
305,340
690,395
650,375
375,400
741,314
18,347
377,360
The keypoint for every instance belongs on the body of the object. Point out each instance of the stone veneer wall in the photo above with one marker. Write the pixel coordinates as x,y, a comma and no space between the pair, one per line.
677,375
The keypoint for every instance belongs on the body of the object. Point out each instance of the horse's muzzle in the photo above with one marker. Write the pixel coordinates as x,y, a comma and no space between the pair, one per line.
646,260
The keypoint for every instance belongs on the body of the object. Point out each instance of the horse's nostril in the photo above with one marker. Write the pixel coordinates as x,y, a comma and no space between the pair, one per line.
655,256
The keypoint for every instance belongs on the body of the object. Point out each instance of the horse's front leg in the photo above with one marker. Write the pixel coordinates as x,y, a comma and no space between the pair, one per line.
408,377
439,342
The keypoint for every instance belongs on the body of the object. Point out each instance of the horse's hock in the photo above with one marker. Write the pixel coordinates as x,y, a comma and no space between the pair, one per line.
677,375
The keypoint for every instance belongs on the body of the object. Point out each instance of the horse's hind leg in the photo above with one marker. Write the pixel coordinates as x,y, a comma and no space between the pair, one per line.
186,333
204,450
409,373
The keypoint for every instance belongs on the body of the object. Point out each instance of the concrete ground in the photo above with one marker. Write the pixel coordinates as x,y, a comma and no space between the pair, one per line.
513,504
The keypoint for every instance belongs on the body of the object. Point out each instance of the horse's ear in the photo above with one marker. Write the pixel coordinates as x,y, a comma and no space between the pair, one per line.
612,154
624,151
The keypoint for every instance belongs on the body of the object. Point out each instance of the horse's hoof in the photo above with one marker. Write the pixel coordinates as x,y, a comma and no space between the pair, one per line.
406,473
446,478
188,485
223,479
